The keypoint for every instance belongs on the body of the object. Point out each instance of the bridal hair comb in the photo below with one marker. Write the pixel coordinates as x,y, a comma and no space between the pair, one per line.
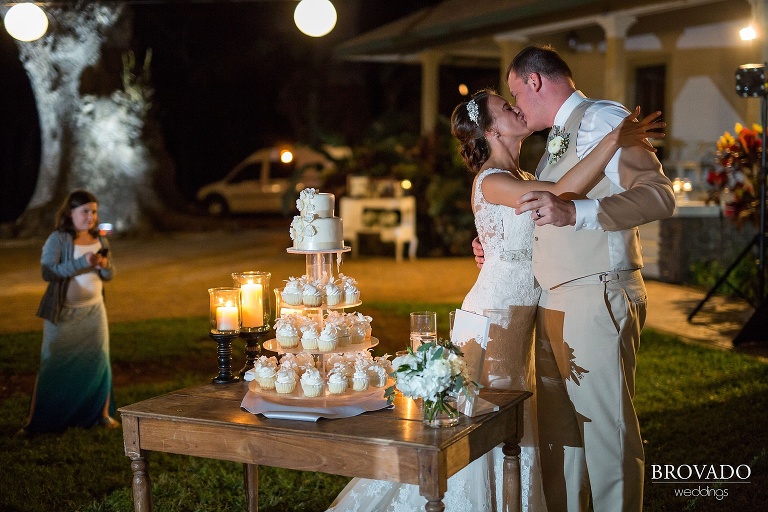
473,111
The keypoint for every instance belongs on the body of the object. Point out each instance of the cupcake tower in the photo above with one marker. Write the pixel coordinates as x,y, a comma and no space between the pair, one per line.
312,323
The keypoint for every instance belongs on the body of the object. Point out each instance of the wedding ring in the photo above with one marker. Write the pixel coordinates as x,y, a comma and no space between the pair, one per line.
538,214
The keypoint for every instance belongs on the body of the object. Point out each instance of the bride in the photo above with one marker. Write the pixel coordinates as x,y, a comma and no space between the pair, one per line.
490,132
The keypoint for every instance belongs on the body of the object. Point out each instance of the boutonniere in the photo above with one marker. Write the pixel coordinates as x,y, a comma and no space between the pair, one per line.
557,144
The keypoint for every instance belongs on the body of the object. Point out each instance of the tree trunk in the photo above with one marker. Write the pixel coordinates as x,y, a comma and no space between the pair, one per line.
92,126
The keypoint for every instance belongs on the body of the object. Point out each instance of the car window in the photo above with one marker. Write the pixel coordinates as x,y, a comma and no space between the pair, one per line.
247,173
280,170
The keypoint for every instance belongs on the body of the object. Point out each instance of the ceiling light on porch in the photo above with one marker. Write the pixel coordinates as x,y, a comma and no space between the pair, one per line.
748,33
463,89
315,17
26,22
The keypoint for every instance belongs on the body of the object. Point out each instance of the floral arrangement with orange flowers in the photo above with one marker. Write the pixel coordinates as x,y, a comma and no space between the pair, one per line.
736,177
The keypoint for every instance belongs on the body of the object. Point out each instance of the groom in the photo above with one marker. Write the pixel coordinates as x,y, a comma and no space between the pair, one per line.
586,257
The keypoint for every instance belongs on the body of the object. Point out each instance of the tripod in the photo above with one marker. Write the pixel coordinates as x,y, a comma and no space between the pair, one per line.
750,81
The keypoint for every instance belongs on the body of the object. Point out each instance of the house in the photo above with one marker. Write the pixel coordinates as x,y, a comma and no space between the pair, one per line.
678,56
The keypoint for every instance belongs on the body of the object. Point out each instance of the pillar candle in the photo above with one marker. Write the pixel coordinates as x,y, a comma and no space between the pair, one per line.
226,318
252,302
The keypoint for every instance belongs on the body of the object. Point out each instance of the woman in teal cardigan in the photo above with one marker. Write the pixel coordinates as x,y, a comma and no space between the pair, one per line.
74,384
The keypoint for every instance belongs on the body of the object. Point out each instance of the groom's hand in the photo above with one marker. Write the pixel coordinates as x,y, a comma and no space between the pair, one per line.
547,208
477,250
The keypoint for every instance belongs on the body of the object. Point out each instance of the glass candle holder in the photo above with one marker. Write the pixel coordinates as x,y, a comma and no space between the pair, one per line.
423,327
255,310
224,310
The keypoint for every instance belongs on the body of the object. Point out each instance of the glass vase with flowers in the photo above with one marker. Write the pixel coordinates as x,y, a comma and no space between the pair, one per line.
435,373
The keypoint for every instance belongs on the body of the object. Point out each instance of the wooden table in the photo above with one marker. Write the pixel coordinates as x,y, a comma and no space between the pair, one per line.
207,421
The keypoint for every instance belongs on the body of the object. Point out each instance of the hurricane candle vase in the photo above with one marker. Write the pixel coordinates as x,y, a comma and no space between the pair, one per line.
255,312
224,320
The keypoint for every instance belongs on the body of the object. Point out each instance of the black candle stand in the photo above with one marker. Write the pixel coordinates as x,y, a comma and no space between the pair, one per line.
224,342
253,342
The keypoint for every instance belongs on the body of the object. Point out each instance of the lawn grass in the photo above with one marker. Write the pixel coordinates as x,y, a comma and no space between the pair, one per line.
696,406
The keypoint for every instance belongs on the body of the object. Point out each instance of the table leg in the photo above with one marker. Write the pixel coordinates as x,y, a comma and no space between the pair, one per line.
142,488
512,493
434,506
251,478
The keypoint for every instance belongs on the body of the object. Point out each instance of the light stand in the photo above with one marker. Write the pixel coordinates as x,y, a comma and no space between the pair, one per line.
751,82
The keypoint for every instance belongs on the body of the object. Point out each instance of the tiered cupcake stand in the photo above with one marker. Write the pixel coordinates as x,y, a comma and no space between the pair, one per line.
319,267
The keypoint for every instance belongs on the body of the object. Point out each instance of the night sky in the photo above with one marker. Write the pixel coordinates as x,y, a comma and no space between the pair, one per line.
229,78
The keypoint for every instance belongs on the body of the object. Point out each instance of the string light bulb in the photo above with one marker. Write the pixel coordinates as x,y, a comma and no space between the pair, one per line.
315,17
26,22
748,33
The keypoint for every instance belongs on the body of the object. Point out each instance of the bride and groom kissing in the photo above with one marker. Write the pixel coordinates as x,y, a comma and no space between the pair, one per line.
559,253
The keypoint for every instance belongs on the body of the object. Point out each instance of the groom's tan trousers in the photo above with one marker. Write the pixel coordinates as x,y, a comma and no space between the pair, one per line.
587,337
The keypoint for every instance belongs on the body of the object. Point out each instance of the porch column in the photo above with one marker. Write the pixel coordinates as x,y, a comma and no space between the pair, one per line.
616,27
509,47
430,90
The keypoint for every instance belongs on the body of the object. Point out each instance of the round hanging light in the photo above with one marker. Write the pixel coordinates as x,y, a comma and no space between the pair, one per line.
26,22
315,17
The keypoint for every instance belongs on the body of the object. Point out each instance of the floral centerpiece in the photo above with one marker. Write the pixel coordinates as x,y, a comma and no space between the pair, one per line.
436,373
737,174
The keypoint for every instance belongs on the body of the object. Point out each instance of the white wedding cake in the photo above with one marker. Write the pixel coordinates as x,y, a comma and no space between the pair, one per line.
316,228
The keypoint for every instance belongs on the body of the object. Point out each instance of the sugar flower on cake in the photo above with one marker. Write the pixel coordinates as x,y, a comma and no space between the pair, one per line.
305,205
301,228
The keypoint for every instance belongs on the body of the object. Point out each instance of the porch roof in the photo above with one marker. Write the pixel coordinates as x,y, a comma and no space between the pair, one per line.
467,29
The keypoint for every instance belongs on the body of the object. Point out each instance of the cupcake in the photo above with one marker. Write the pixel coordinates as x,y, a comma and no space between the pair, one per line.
377,375
292,292
309,337
311,295
266,376
344,336
312,382
360,380
357,333
333,294
351,293
287,332
285,381
328,339
337,383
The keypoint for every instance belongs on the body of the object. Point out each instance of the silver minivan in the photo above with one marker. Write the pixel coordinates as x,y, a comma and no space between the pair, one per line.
268,180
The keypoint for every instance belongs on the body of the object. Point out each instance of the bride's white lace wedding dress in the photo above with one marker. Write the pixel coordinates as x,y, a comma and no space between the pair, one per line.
505,291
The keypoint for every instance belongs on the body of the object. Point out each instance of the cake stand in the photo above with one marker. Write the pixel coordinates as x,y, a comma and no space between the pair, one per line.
319,267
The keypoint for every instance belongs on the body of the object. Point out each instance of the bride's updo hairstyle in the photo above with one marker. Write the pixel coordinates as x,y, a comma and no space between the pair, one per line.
469,122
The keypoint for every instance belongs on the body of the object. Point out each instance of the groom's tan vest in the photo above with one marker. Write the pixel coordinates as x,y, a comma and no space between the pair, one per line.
562,254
